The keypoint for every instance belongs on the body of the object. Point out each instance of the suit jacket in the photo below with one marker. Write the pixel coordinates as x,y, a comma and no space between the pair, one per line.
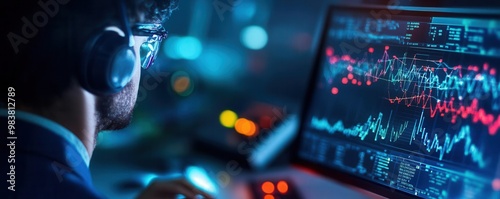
46,165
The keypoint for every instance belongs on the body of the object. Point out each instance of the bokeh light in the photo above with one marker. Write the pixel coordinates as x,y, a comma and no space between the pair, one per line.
244,10
335,90
268,187
188,47
182,83
254,37
219,64
245,127
282,187
228,118
344,80
169,47
268,197
496,184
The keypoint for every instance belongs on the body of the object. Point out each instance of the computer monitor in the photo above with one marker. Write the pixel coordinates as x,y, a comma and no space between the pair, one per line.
405,102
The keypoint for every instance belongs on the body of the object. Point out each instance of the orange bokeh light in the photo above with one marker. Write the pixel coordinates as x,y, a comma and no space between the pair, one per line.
268,187
181,84
268,197
282,187
245,127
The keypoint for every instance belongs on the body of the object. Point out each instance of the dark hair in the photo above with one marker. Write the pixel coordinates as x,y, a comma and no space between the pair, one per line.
41,64
155,11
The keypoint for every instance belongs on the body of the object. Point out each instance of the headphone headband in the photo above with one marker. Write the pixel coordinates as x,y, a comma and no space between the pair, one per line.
126,23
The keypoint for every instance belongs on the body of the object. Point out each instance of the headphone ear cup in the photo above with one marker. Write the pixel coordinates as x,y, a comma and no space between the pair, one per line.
108,63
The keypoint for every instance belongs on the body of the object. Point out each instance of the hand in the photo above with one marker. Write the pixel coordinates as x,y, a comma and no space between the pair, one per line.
163,189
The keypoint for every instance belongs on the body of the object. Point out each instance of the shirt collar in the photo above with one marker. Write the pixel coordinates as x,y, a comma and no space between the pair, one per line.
55,128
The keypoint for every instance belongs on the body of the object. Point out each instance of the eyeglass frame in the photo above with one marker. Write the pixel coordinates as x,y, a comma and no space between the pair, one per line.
156,33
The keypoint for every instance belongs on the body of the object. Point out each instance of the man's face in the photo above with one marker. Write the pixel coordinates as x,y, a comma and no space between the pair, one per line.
115,111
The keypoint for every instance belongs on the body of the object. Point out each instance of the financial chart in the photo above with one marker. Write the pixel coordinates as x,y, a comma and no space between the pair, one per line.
410,102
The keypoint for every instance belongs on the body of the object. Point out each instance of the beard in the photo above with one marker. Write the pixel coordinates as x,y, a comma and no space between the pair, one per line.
114,111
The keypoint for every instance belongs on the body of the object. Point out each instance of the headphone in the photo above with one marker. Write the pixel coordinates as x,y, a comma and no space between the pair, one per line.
108,58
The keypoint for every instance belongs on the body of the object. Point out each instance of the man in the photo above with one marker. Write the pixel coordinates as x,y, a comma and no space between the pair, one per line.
71,69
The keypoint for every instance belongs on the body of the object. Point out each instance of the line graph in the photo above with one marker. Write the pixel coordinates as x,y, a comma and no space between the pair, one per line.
449,107
413,100
430,84
431,142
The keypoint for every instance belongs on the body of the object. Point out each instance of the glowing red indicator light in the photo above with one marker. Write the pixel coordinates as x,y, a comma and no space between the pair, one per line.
268,197
268,187
282,187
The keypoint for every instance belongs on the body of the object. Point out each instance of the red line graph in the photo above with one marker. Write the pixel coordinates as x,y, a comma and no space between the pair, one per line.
429,84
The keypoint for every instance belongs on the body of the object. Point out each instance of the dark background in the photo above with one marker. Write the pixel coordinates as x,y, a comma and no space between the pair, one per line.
205,45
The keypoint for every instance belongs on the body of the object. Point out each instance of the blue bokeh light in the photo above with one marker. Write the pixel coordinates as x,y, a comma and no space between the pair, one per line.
169,47
187,47
245,11
219,64
254,37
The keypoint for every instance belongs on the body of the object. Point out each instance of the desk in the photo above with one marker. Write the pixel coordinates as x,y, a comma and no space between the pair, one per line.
117,181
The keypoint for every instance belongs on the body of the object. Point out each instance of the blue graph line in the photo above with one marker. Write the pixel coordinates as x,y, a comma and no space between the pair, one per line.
432,143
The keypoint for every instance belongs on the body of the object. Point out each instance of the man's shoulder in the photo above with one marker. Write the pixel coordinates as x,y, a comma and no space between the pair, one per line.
44,165
47,179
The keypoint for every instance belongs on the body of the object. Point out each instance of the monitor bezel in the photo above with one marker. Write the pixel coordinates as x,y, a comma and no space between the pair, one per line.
336,174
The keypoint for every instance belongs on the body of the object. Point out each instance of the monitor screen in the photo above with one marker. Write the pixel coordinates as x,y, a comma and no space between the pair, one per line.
408,101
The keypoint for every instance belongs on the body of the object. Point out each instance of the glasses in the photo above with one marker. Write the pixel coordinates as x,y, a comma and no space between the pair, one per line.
149,48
